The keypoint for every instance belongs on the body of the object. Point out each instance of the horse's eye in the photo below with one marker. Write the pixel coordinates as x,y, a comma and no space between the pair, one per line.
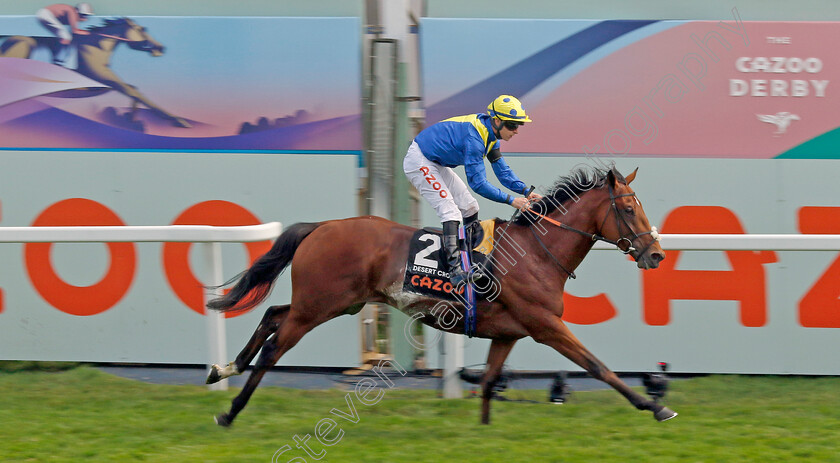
629,210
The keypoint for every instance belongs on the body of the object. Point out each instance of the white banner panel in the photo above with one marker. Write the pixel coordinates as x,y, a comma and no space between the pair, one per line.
141,302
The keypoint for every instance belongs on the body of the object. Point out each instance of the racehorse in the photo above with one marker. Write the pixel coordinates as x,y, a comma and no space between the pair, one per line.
339,265
94,57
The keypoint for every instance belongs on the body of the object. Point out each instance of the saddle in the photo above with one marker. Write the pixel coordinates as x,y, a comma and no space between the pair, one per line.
426,270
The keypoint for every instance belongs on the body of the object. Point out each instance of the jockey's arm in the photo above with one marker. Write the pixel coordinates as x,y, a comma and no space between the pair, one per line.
505,175
477,177
73,20
509,179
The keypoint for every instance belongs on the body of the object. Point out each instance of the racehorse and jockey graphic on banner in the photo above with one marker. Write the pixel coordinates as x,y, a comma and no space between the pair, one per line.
684,89
215,84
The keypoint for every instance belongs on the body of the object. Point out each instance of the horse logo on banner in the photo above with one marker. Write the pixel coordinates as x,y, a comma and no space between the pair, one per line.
781,120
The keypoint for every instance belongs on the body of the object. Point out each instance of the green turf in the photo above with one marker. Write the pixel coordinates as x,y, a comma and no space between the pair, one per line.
12,366
86,415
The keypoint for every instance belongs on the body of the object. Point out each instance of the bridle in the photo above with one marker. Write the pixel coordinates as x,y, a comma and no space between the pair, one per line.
139,29
119,39
599,236
619,220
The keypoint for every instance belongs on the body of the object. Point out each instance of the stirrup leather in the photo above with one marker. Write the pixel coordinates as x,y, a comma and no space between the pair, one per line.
453,249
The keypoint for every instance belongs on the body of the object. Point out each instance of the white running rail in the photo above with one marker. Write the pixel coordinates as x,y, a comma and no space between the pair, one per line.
707,242
744,242
209,236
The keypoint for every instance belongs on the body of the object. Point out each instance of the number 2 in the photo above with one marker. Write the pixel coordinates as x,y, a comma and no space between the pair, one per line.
422,257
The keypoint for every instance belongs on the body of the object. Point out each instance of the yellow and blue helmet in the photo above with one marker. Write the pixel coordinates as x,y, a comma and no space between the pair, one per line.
508,108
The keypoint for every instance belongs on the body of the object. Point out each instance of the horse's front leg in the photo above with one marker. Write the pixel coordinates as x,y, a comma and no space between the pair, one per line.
138,97
554,333
499,350
110,79
133,112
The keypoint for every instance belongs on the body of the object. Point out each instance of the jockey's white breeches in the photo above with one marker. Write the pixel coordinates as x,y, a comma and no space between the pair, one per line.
52,23
439,185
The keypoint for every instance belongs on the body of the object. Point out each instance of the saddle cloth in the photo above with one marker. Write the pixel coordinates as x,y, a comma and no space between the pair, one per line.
426,272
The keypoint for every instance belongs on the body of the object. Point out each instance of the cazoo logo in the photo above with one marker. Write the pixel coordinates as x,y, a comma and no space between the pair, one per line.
121,271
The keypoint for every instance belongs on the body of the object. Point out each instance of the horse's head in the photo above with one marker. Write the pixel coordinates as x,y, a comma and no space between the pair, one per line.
626,224
138,38
125,30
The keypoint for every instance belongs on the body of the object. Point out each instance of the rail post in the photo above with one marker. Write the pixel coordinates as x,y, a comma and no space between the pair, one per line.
216,338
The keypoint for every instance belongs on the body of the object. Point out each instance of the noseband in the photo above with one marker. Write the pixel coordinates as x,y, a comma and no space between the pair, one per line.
618,221
599,237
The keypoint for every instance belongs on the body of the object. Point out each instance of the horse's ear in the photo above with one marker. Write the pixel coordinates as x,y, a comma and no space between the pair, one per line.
614,177
632,175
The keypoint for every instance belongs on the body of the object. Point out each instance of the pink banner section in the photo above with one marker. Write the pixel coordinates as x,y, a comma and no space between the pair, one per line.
702,89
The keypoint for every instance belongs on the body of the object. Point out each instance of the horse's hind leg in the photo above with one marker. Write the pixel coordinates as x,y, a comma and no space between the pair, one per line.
499,350
557,335
278,344
18,47
271,322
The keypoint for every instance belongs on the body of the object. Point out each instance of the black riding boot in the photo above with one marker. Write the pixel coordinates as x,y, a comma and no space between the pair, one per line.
453,252
453,255
473,232
471,227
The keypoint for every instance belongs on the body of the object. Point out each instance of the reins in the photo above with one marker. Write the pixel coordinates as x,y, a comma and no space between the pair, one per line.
516,214
596,237
592,236
121,39
569,272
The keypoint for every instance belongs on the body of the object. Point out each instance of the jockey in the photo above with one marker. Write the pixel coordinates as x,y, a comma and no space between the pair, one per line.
466,141
61,21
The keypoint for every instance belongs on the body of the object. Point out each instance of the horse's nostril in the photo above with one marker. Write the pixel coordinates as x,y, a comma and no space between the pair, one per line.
657,257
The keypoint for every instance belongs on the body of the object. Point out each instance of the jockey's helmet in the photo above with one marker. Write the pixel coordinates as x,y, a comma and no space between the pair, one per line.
507,108
84,9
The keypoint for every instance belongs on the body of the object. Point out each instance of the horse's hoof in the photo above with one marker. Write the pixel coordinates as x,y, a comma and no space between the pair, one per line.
214,376
664,414
222,420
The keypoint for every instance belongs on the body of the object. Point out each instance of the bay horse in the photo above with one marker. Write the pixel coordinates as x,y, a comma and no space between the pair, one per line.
94,57
339,265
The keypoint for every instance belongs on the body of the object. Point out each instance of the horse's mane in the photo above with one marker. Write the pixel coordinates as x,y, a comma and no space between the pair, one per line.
109,22
570,186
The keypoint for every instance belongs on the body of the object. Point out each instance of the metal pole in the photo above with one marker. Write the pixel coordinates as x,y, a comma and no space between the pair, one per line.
217,348
452,363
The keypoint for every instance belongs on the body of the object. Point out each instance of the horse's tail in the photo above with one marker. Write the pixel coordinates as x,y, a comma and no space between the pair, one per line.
255,283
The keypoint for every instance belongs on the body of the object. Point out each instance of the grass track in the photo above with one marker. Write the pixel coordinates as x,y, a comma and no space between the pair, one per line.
85,415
